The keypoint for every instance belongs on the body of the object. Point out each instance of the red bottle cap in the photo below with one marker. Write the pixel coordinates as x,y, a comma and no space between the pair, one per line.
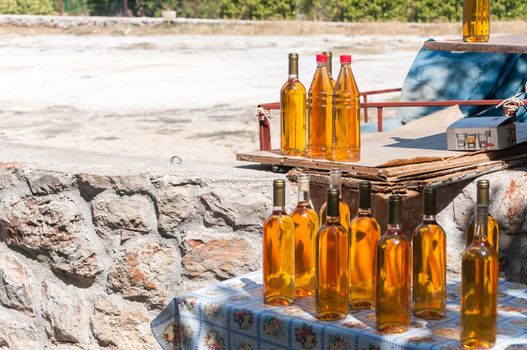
345,59
322,58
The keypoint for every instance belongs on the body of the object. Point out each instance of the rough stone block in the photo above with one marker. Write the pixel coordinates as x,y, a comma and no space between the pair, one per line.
175,205
133,213
145,272
16,291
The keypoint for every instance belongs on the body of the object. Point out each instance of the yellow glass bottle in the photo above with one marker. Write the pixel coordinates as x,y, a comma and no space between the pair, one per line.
364,235
479,288
429,263
335,181
329,54
392,308
305,219
332,286
476,20
278,252
344,144
293,112
319,110
492,226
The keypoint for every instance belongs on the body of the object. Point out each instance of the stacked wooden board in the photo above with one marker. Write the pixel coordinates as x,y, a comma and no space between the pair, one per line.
407,158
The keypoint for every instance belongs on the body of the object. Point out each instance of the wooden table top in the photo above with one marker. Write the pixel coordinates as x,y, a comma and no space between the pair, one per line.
516,43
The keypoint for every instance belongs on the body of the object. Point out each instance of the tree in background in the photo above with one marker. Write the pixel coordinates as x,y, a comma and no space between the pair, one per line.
27,7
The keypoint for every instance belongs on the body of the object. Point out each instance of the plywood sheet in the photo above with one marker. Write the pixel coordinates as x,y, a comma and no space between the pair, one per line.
498,43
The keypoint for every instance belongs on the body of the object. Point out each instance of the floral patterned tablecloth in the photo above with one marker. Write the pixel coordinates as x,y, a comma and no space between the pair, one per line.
231,315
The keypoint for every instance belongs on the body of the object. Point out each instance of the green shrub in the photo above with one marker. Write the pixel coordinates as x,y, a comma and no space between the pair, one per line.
27,7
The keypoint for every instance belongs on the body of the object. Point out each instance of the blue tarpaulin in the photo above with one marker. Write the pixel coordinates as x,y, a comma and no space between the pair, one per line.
443,75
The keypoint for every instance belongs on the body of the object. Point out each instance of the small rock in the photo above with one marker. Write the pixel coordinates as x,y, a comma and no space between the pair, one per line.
245,209
121,325
175,205
18,332
9,178
16,291
48,183
67,312
113,212
145,272
220,259
91,185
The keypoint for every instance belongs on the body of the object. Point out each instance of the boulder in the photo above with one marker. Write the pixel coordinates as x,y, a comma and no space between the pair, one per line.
175,204
16,291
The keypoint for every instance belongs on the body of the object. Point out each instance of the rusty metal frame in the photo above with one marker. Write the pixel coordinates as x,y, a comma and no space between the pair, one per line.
265,132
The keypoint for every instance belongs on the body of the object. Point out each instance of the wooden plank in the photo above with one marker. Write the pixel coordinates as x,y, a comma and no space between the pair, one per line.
499,43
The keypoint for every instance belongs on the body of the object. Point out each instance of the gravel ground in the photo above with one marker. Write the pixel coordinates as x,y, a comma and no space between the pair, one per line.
158,96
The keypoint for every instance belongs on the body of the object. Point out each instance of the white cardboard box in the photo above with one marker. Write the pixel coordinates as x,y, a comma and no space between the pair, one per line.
481,133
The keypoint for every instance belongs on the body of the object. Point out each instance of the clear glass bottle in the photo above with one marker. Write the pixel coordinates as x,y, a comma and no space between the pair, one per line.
293,112
345,140
392,308
479,288
332,286
429,263
335,181
493,228
476,20
364,235
278,252
329,54
305,219
319,110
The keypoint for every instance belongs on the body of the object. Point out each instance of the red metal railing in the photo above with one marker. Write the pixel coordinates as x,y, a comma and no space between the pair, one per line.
265,134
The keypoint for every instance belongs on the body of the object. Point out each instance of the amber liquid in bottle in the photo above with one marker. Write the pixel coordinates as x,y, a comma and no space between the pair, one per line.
479,288
345,138
319,110
476,20
293,112
492,226
335,181
364,235
429,263
332,286
329,54
278,252
393,274
305,219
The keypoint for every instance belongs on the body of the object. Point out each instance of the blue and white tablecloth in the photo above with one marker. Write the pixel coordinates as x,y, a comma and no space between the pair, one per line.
231,315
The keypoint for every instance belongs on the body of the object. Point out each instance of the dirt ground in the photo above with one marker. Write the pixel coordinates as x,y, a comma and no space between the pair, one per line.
165,95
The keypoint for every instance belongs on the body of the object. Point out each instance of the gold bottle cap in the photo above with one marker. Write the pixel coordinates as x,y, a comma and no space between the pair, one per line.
483,192
293,64
279,193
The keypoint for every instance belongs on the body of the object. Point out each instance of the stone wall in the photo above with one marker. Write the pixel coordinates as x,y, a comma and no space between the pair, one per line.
86,261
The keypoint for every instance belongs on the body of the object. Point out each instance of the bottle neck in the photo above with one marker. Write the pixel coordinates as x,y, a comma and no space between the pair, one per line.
364,212
481,225
429,218
293,76
394,228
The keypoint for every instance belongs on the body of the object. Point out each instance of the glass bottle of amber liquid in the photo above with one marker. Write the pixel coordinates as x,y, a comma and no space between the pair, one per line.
278,252
330,65
335,181
392,308
364,235
492,226
429,263
305,219
479,288
293,112
332,286
345,138
319,110
476,20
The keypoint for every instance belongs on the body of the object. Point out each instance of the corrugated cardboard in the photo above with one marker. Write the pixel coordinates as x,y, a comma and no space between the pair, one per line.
482,133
